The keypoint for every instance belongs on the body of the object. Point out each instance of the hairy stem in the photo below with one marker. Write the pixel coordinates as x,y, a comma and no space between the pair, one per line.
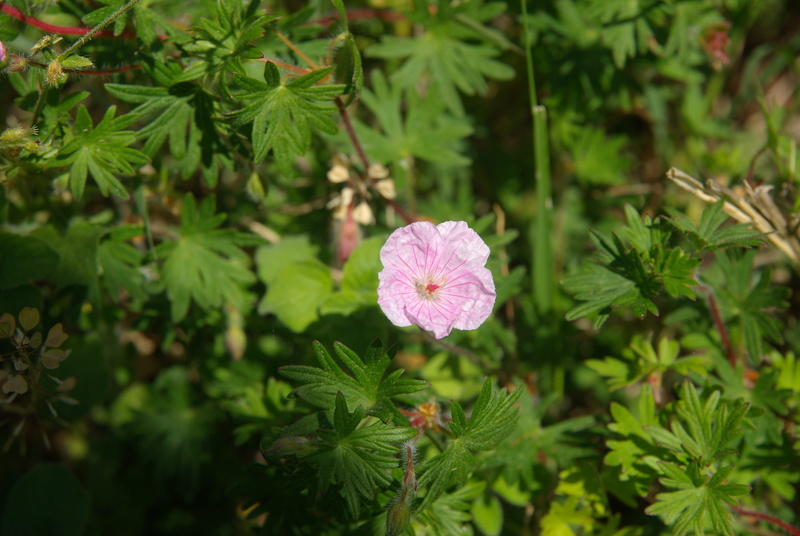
15,13
794,531
91,34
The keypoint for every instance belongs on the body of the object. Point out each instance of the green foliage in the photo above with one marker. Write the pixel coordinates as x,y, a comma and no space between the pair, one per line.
632,270
455,53
195,192
698,497
182,114
366,386
283,113
204,264
642,362
359,458
101,152
493,417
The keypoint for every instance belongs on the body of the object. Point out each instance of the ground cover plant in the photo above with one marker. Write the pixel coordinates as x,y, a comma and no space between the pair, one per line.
399,267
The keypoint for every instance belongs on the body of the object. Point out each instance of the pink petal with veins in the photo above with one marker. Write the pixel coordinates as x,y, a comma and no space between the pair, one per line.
435,277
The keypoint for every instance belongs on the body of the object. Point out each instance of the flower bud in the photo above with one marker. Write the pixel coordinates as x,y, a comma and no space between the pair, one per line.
338,174
363,214
55,73
386,188
397,519
377,171
3,56
347,241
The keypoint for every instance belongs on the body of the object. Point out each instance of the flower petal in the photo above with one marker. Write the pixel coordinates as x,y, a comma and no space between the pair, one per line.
451,257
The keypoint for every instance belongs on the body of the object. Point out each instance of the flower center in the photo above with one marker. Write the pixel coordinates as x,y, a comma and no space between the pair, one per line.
427,288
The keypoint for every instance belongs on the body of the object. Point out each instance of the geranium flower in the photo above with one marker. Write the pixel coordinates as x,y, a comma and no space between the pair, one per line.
434,276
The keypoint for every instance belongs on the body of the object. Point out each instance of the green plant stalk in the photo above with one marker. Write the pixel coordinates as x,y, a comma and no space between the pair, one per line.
543,269
94,31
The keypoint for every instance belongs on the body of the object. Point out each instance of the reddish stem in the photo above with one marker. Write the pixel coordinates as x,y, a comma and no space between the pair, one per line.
352,133
723,332
61,30
361,14
768,518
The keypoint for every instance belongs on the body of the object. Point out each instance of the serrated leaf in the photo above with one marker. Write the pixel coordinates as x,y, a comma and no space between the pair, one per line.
493,418
183,115
283,115
206,264
367,385
102,152
699,497
360,458
457,58
425,130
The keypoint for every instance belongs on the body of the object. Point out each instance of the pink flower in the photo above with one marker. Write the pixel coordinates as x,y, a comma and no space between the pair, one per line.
434,276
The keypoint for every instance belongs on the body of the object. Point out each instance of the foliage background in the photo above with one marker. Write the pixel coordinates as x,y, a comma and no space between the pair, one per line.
172,197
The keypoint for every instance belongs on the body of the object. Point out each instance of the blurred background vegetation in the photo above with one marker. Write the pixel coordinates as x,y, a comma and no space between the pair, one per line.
219,257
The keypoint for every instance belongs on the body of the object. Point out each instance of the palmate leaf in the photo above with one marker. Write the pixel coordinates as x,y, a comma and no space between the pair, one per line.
455,55
283,113
367,384
224,40
704,428
631,270
493,418
206,264
182,114
748,298
120,263
101,152
709,234
361,458
641,360
698,498
450,512
425,131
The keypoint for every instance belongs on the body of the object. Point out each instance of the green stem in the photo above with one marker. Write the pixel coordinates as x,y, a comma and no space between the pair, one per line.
94,31
543,268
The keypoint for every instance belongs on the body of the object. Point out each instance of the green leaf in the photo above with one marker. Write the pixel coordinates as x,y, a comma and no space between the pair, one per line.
426,131
75,62
101,152
640,362
705,426
120,263
699,498
631,270
709,233
456,57
182,114
747,299
297,292
487,513
367,385
67,503
359,287
360,458
78,255
23,259
448,515
273,258
493,418
283,114
206,264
